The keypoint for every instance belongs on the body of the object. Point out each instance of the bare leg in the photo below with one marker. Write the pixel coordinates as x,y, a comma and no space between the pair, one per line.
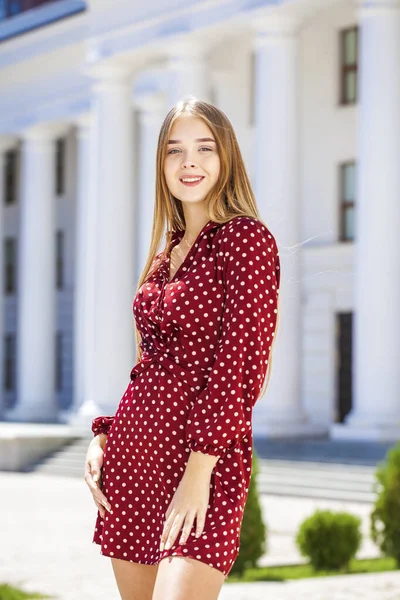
183,578
134,581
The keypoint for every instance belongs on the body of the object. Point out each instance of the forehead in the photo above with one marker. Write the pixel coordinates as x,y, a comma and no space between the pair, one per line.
189,127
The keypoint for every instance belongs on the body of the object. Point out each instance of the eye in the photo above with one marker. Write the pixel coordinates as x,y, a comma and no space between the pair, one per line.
205,148
173,151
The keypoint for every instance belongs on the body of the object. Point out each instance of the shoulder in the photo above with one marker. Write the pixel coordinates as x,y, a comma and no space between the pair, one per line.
244,232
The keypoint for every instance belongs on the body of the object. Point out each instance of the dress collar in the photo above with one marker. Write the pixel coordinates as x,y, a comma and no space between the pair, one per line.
179,233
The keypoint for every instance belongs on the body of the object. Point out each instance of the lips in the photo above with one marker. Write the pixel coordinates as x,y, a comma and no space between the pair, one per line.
191,180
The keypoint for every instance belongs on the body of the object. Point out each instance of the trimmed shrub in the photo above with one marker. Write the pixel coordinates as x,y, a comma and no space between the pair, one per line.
330,540
8,592
254,531
385,518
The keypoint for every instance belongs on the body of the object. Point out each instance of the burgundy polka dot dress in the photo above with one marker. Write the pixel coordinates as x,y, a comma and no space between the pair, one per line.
206,337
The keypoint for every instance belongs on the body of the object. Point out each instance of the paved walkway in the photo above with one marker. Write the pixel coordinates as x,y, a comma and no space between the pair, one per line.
46,524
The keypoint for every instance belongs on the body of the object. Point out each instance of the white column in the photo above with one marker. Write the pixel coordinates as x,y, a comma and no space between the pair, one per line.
84,403
36,279
113,350
376,357
188,72
280,413
151,113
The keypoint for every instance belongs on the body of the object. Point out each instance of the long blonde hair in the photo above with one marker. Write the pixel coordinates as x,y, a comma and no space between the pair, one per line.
231,196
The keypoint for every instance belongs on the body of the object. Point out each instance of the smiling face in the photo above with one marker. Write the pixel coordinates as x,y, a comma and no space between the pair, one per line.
191,165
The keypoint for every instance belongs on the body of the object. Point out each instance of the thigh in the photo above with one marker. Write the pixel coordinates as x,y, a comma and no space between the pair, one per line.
184,578
134,581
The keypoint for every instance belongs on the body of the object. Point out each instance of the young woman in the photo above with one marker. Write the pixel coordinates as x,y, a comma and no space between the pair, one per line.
175,460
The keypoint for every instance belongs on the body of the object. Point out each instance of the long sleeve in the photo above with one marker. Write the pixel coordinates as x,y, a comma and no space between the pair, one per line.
102,425
222,412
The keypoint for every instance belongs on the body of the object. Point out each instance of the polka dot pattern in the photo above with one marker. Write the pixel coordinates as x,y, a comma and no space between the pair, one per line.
206,339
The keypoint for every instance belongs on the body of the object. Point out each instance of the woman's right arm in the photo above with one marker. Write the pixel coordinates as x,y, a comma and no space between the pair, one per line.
93,465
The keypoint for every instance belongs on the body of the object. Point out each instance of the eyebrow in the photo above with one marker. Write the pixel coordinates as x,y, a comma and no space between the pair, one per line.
198,140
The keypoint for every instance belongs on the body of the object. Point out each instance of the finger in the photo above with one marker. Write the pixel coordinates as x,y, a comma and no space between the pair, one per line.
173,532
101,499
97,493
186,529
167,526
165,532
100,508
169,510
95,470
89,479
200,520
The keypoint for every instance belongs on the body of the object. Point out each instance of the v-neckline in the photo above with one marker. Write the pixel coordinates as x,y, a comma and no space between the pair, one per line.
179,237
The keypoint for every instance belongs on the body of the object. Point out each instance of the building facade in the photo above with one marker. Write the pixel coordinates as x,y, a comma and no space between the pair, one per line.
312,88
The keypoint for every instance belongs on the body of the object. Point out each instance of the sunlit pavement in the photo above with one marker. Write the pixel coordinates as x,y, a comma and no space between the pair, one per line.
46,526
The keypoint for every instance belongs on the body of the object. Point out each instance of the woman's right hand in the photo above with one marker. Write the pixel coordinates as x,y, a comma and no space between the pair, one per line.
93,465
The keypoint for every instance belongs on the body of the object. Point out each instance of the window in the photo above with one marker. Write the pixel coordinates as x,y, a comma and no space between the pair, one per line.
59,361
349,65
60,260
9,265
10,177
9,362
347,200
60,166
20,16
10,8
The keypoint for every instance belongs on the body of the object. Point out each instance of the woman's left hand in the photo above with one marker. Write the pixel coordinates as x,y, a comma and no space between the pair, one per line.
189,502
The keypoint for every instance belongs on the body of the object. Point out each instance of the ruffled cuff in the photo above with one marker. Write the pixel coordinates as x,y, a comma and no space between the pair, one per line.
102,425
205,448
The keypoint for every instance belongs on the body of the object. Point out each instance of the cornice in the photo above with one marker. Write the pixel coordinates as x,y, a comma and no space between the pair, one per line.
274,28
170,26
374,8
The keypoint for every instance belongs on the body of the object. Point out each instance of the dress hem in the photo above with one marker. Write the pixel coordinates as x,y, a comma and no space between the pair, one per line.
165,554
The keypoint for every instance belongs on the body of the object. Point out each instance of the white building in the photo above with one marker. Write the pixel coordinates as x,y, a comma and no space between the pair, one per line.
312,88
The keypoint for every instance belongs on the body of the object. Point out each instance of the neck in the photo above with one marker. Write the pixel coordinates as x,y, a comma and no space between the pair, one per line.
194,223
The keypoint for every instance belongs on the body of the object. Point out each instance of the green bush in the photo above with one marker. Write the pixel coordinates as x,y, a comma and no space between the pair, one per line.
8,592
253,532
385,518
330,540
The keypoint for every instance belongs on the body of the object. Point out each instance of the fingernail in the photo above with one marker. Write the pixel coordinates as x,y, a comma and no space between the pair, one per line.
162,546
95,477
168,545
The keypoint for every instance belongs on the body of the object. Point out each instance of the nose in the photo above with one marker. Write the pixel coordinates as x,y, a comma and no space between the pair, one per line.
187,164
188,161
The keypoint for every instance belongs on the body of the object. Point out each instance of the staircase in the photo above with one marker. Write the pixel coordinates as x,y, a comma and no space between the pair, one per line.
308,468
68,461
347,483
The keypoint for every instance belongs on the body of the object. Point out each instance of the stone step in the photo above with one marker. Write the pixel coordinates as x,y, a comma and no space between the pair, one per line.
310,480
323,493
317,465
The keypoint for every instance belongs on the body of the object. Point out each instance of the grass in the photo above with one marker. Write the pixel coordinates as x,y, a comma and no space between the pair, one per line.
376,565
8,592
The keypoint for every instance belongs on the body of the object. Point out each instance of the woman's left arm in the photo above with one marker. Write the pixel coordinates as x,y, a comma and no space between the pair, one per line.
222,413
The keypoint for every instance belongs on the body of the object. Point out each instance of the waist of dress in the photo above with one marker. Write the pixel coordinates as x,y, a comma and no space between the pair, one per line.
194,377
